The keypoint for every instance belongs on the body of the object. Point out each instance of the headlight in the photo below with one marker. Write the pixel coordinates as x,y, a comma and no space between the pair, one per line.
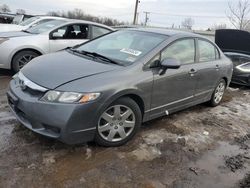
69,97
3,40
244,67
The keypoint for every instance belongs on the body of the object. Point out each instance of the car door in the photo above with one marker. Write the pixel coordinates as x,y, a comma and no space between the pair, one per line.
175,88
68,36
208,68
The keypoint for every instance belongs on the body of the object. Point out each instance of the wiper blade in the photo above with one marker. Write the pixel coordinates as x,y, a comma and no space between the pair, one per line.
25,31
104,58
79,52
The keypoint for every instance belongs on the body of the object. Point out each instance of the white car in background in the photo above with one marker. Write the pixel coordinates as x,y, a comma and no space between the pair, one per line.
28,23
18,48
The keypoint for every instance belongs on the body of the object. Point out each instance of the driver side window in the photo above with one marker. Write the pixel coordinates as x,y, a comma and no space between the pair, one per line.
76,31
181,50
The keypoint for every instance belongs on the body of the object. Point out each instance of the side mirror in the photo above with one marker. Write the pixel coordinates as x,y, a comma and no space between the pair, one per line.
57,35
170,64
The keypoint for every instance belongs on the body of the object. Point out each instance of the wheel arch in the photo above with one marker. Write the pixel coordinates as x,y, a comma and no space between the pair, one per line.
138,100
132,94
24,49
226,80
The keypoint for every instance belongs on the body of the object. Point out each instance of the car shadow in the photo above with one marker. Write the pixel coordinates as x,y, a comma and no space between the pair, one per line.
4,72
241,87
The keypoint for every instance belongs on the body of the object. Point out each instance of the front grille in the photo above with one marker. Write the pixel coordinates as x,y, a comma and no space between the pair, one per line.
33,92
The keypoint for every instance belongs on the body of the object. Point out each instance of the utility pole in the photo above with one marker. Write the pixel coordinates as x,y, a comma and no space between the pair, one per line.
146,18
135,13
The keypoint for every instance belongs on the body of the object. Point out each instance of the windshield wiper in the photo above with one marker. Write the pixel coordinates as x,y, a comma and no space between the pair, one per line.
25,31
97,55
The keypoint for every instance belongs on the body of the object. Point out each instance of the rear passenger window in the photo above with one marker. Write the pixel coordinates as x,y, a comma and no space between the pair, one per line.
207,51
182,50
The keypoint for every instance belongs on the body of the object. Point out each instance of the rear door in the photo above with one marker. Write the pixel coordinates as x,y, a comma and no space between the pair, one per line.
68,36
208,68
176,87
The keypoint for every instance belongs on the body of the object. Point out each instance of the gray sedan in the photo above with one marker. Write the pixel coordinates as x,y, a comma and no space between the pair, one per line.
18,48
104,89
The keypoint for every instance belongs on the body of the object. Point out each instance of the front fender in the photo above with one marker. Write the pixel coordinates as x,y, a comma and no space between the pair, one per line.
108,100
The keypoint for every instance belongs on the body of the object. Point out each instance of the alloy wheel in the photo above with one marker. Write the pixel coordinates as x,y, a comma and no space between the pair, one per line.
219,91
116,123
24,60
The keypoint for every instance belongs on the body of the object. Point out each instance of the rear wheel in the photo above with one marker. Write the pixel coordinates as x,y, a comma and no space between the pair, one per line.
118,123
22,58
218,93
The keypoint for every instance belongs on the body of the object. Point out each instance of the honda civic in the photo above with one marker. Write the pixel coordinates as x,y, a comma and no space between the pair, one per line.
106,88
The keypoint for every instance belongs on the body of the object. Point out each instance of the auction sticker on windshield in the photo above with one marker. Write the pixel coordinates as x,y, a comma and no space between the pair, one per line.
131,51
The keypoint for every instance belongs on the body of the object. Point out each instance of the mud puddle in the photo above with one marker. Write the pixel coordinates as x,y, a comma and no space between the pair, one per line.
225,165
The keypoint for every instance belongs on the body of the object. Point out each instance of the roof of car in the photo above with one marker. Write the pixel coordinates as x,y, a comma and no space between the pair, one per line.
168,32
88,22
231,53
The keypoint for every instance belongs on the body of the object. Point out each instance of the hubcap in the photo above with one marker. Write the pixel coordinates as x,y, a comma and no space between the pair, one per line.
116,123
24,60
219,91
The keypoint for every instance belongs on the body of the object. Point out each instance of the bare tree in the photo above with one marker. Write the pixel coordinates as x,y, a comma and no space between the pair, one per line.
187,23
238,14
79,14
219,26
5,8
53,13
20,11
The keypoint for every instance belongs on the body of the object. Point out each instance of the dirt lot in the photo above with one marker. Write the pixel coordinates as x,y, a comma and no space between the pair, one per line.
198,147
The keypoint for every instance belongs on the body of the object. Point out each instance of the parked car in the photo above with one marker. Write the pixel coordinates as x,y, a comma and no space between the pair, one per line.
235,45
241,73
31,22
18,48
104,89
6,18
21,18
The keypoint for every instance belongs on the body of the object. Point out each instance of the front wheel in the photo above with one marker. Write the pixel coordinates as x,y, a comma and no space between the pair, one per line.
218,93
118,123
22,58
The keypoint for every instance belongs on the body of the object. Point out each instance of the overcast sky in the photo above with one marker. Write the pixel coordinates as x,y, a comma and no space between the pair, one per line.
205,13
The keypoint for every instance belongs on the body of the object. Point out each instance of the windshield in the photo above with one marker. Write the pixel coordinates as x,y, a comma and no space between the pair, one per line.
124,46
47,26
29,21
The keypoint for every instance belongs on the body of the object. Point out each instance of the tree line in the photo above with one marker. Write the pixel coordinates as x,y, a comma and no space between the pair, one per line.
72,14
238,14
79,14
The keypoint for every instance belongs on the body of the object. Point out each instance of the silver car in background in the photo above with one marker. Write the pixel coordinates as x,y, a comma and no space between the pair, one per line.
18,48
30,22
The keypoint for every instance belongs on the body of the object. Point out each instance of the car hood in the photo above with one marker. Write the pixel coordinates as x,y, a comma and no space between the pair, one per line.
14,34
53,70
10,27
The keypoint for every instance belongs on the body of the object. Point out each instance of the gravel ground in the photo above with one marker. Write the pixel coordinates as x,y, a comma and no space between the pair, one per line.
197,147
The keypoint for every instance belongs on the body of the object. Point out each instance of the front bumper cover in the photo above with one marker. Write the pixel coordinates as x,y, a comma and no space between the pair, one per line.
69,123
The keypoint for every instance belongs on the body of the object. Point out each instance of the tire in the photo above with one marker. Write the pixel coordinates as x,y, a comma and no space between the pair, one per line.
218,93
22,58
116,127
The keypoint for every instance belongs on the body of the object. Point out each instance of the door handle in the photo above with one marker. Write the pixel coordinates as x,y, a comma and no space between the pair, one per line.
192,72
217,67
